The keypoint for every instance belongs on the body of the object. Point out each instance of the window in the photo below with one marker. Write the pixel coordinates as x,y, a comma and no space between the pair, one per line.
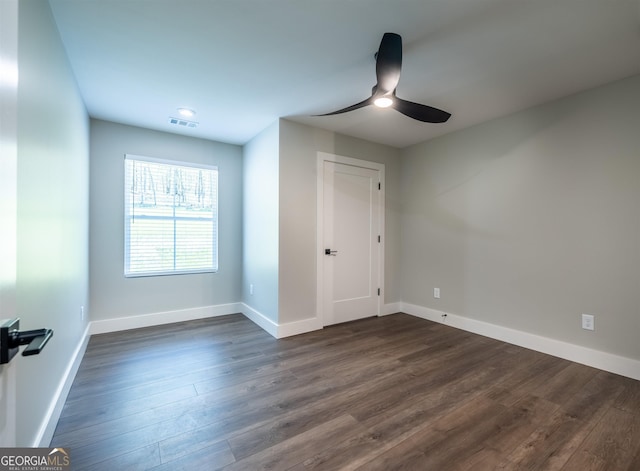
170,217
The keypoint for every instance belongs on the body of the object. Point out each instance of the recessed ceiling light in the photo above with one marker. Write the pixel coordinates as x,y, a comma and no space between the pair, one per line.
186,112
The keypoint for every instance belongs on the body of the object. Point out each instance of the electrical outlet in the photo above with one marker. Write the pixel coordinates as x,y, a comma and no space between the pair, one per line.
251,289
588,322
81,313
436,293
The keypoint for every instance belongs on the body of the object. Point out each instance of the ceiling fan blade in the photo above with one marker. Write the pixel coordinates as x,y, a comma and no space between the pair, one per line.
362,104
424,113
388,63
388,67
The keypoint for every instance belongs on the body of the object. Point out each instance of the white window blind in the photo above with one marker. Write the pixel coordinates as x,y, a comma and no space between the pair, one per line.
170,217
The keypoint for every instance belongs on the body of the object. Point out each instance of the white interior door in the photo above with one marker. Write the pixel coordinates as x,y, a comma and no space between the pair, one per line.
8,203
351,230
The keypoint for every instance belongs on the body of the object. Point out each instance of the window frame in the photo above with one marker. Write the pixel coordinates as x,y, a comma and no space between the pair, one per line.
128,215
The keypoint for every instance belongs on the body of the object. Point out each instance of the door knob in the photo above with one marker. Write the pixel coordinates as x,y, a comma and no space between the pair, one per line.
330,252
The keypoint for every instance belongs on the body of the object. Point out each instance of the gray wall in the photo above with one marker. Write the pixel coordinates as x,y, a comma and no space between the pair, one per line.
531,220
260,222
53,217
112,295
299,145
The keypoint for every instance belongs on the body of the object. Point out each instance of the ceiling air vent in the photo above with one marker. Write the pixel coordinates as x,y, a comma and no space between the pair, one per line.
183,122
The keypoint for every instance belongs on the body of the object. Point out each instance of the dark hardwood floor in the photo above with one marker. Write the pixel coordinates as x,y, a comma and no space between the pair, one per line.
387,393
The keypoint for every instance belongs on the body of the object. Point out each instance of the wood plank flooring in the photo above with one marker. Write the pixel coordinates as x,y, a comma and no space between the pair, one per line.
389,393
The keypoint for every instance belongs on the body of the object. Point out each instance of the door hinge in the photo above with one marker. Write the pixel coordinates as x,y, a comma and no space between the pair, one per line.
378,239
379,186
378,291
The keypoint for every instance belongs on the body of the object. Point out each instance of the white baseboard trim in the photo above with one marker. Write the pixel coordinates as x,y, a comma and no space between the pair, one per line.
50,421
159,318
302,326
259,319
281,330
391,308
587,356
299,327
169,317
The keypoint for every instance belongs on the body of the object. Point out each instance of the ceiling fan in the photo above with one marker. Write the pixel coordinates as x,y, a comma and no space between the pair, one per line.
383,94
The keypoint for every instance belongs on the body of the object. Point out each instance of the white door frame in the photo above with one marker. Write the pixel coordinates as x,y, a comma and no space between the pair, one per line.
323,157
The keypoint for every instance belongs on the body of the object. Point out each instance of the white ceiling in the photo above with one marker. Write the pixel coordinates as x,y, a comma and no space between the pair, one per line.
242,64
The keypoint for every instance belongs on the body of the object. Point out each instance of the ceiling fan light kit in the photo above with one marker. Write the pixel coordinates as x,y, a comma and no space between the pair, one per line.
383,102
383,95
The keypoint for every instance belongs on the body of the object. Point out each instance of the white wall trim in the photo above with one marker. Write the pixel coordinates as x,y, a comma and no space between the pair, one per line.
391,308
50,421
587,356
299,327
169,317
281,330
159,318
259,319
